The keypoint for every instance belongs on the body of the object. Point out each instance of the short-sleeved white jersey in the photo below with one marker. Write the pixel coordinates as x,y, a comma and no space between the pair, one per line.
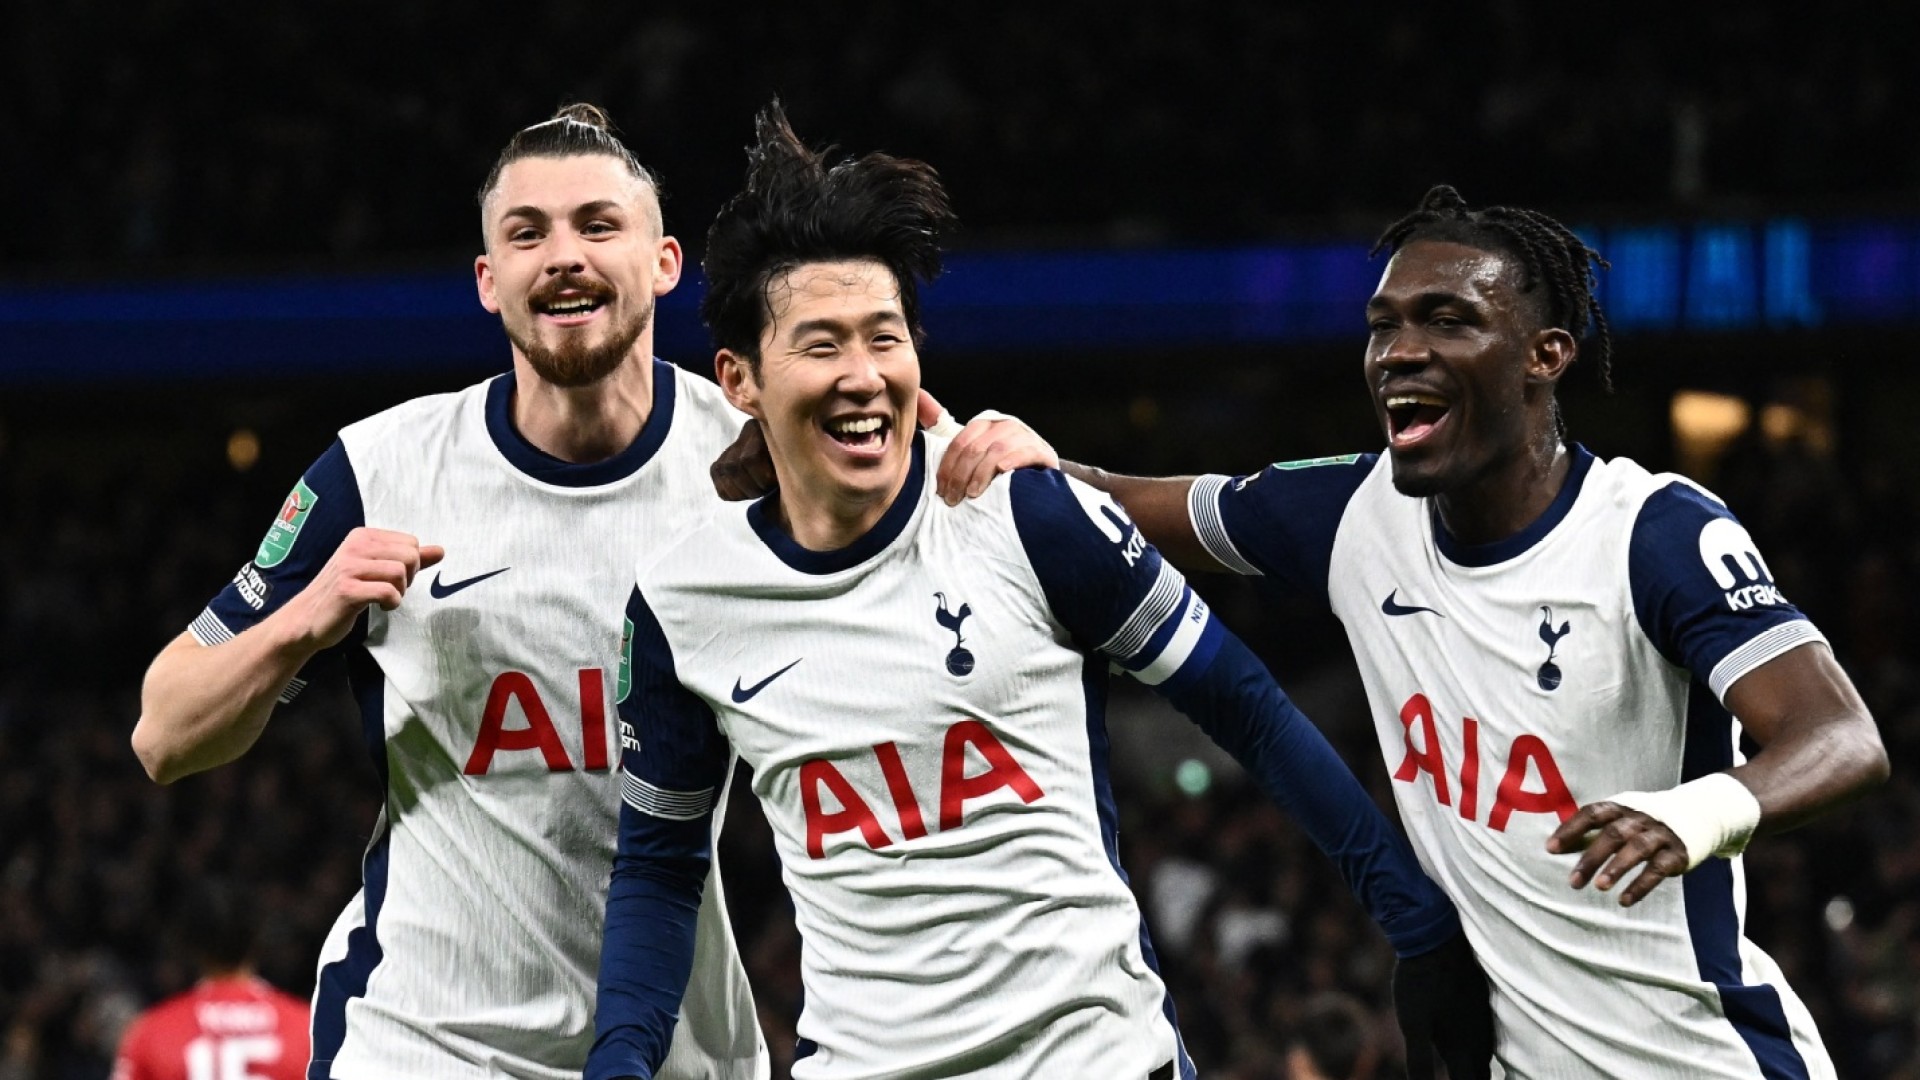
472,950
1511,683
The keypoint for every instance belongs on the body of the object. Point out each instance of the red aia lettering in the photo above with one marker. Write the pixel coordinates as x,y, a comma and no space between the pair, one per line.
1529,753
956,788
517,687
1426,760
853,813
1002,771
905,802
1554,798
593,719
1470,768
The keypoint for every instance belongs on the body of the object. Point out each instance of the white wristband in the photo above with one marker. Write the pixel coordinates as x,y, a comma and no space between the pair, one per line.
1714,815
947,427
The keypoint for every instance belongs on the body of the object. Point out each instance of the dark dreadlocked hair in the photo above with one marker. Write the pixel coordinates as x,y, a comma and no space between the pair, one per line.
577,129
796,210
1548,251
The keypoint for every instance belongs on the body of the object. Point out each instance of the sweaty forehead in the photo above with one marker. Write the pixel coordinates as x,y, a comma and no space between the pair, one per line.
1435,267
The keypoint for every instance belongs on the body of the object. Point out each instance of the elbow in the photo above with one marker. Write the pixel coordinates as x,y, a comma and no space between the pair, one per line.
1860,756
1875,767
164,757
153,757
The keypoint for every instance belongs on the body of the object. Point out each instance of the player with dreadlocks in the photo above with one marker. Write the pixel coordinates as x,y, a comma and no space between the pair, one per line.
1555,647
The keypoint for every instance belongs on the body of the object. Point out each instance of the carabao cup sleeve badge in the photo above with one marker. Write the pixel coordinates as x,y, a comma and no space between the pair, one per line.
623,682
286,527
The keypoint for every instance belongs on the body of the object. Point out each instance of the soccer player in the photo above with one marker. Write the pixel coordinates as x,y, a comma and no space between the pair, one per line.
919,691
232,1025
1555,647
484,694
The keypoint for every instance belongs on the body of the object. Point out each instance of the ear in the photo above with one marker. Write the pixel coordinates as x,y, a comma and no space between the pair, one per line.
667,270
483,281
735,375
1553,352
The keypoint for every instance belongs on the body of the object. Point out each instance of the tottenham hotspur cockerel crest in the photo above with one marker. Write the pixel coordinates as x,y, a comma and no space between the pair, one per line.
959,661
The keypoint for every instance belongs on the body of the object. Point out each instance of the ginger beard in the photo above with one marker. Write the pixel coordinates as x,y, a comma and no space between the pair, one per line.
578,360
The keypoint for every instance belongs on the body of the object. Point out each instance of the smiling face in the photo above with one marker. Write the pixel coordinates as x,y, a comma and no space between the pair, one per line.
1460,366
834,390
574,262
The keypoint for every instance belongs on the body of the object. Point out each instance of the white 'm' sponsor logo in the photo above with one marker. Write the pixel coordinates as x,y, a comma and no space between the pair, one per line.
1734,561
1112,521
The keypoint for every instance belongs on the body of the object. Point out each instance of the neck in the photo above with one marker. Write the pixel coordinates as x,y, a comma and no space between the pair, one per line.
829,522
1508,498
584,424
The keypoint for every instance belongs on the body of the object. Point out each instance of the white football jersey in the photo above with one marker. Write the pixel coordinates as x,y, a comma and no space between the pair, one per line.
1511,683
473,948
923,712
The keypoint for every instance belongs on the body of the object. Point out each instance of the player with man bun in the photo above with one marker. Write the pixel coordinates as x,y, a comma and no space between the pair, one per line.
484,690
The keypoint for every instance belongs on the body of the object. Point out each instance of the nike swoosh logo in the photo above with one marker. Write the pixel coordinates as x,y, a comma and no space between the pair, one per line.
441,592
1392,608
741,697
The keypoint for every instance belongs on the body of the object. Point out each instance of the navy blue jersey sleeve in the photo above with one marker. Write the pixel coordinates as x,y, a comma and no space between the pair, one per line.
1104,582
323,507
1702,592
1118,598
1280,521
673,764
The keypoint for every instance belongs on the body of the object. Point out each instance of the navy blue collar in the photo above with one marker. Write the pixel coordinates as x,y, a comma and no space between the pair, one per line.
766,523
544,467
1500,551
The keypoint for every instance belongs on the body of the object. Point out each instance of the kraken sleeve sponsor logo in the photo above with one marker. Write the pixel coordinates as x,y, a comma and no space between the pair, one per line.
1734,561
1105,514
1112,521
252,586
286,526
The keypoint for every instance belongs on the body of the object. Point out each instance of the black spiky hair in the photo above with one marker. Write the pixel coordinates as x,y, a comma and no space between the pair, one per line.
796,209
1548,252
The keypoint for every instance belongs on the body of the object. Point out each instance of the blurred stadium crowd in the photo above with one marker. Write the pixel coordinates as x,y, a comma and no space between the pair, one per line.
359,136
337,142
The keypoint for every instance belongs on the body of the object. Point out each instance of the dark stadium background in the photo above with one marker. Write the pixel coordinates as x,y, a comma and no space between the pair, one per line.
231,229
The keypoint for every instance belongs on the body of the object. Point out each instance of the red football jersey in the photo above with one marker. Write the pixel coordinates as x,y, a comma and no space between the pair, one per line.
223,1029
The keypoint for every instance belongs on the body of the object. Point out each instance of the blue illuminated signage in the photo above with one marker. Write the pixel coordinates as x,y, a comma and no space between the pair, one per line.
1707,277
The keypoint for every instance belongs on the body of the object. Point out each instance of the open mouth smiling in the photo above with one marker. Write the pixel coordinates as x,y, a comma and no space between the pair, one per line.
1412,417
569,308
864,435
